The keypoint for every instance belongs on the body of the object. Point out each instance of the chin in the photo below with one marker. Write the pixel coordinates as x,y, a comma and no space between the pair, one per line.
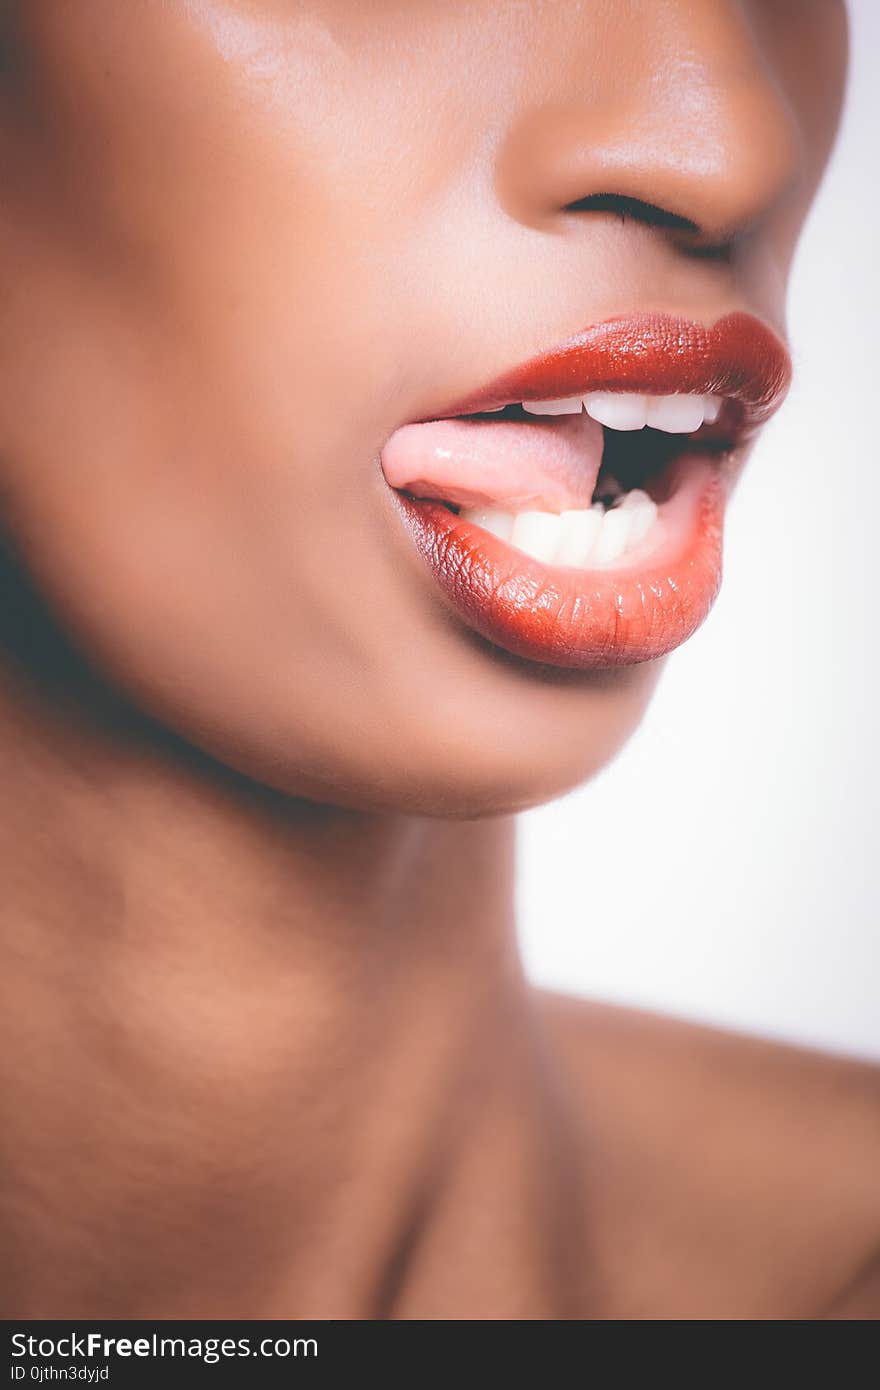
545,733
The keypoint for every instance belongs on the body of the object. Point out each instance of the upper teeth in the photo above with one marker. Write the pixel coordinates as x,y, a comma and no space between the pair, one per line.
621,410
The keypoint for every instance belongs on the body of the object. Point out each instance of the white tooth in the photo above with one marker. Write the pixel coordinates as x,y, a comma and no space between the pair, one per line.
572,405
578,534
612,538
619,410
675,414
642,511
641,519
491,519
634,498
712,408
537,533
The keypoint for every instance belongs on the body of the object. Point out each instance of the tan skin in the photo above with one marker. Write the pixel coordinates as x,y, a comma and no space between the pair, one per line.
267,1050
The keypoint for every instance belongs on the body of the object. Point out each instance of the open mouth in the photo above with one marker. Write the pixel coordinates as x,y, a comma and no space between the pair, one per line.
573,482
582,527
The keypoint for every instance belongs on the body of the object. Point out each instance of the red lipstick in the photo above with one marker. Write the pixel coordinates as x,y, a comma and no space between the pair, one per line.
649,602
738,358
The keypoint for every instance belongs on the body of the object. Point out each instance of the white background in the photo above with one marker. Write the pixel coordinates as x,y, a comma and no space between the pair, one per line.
725,867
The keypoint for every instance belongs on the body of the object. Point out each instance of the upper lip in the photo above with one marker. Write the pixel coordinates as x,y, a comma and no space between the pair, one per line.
738,357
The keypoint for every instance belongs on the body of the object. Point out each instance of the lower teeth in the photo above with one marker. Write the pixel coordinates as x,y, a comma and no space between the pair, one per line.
589,536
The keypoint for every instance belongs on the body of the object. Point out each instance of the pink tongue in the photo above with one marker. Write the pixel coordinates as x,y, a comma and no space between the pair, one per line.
550,465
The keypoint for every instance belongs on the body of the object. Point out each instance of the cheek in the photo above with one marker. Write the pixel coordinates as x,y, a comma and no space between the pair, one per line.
219,544
296,642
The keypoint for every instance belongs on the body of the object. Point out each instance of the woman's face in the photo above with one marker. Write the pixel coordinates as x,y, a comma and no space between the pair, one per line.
243,242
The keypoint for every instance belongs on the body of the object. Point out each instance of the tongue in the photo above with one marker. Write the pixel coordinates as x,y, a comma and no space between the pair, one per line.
550,465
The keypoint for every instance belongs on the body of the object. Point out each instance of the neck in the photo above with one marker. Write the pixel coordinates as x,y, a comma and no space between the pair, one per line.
254,1048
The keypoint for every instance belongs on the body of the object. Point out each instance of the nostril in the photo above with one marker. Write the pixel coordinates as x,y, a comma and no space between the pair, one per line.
691,237
649,214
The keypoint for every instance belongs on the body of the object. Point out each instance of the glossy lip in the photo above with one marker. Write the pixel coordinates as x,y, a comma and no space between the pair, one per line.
588,619
656,354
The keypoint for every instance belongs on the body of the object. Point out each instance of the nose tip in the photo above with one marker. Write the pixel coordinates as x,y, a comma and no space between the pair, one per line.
699,129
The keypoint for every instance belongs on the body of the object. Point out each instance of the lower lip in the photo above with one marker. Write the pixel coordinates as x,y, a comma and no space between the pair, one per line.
582,619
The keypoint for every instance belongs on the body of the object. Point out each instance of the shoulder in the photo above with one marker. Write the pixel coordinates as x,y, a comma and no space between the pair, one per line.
745,1164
